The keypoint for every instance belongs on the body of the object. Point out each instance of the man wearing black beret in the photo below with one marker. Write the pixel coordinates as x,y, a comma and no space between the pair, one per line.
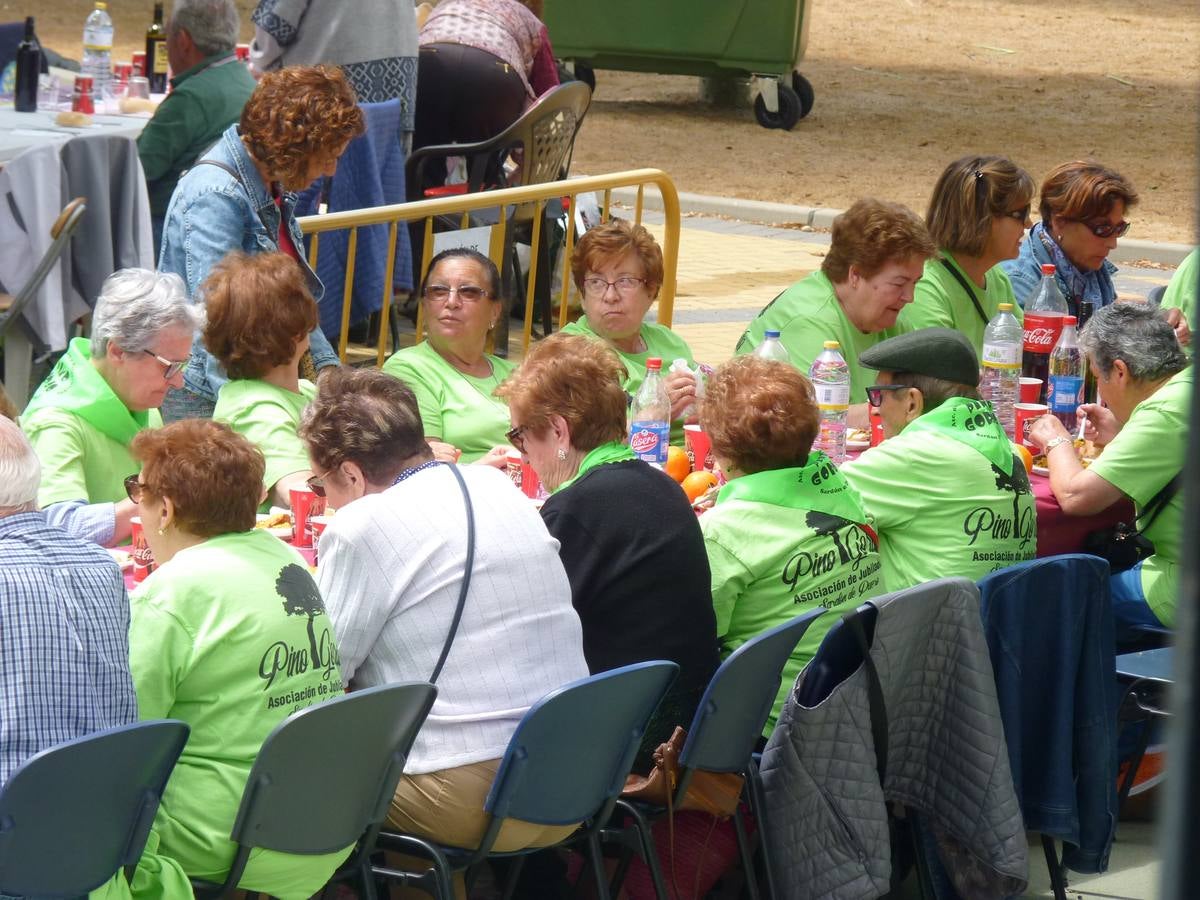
945,492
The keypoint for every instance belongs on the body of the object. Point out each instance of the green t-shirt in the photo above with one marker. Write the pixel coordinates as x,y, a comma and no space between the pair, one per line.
1147,453
939,301
807,315
781,543
81,432
1181,292
456,408
268,416
230,636
947,497
660,341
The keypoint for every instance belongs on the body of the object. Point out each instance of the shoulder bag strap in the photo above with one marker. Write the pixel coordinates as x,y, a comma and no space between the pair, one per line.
966,287
466,583
1158,502
220,165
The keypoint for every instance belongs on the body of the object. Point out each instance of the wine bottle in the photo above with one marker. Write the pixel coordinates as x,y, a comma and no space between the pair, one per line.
29,66
156,53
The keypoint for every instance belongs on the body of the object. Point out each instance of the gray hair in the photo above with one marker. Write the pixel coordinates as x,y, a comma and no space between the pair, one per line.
212,24
1139,336
20,471
136,305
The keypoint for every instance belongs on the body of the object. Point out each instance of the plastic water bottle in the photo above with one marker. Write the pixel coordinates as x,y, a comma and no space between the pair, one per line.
830,377
97,50
1001,384
650,417
1066,376
772,348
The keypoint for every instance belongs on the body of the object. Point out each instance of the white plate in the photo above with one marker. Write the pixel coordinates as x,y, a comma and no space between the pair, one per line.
1041,470
123,557
857,445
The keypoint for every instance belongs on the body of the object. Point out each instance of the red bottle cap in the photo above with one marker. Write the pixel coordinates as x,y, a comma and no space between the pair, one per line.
1048,268
654,362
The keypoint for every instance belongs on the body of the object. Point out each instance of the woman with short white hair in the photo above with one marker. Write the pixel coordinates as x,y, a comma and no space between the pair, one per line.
103,392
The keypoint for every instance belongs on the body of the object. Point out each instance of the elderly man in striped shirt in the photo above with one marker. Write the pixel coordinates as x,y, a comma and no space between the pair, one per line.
64,622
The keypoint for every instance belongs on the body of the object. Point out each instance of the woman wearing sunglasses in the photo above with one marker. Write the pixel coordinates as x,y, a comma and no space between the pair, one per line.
977,216
1083,206
260,314
101,393
451,371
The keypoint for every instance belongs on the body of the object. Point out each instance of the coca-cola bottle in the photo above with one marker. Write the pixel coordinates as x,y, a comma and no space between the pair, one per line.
1043,324
1066,376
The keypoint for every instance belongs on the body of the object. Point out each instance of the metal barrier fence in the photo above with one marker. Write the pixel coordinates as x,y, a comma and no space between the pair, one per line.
504,200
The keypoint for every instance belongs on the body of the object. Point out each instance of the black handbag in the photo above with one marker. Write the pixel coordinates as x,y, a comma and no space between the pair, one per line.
1123,545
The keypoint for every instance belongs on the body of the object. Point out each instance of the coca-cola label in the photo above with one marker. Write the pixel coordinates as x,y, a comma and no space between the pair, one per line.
1041,332
649,441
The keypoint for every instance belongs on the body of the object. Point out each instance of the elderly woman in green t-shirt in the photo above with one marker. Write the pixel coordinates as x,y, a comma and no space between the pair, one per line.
787,533
977,216
1146,383
618,268
260,313
101,393
451,372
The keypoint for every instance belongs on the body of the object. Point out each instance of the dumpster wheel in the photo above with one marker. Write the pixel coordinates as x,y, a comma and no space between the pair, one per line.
804,90
789,109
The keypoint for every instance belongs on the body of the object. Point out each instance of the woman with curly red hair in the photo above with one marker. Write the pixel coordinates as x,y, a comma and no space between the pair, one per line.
241,195
259,317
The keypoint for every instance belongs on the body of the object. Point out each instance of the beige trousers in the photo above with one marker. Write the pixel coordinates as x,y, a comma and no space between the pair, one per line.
447,807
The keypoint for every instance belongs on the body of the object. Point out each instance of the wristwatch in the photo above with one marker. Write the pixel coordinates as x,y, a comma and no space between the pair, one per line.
1054,442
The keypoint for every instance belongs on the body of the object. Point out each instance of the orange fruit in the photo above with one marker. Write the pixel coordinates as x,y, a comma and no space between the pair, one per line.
677,464
697,483
1022,452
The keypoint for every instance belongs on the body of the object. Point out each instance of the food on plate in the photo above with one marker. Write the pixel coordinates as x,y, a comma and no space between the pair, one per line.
1085,450
71,119
857,436
274,520
137,105
123,558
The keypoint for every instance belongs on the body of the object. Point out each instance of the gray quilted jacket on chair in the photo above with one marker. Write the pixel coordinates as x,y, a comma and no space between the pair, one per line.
825,816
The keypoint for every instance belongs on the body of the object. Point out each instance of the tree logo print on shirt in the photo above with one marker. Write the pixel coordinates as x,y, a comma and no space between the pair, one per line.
843,562
827,526
300,598
1021,526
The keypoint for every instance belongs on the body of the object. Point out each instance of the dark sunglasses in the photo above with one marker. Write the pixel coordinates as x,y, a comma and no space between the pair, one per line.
1105,229
134,488
514,438
875,392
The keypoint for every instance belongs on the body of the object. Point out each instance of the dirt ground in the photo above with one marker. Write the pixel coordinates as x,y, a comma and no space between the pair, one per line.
902,87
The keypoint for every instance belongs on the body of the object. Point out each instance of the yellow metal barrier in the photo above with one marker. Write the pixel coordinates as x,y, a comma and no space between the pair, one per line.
464,204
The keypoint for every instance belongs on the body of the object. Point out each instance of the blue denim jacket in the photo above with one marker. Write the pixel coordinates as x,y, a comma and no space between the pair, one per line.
210,214
1025,272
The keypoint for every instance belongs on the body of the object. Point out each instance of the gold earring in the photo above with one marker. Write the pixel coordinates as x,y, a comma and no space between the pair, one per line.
161,532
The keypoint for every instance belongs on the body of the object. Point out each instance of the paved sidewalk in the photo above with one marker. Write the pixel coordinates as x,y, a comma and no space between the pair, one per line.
729,270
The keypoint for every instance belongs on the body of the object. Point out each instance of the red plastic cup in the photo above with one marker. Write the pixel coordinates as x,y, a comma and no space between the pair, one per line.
876,426
81,100
699,448
122,72
143,559
138,61
1025,415
1031,390
512,465
305,505
319,524
243,52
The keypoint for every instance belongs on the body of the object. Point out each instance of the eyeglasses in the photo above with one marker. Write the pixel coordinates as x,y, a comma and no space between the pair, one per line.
1021,215
316,483
170,369
467,293
1105,229
598,287
134,488
875,392
514,438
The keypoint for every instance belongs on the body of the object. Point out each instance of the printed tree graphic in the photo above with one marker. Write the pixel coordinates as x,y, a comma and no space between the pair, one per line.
1017,482
301,598
827,526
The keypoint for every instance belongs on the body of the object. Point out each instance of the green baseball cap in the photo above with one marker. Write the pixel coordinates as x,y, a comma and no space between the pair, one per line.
936,352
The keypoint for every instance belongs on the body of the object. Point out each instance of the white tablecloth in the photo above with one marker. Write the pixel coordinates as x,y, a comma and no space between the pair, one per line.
20,131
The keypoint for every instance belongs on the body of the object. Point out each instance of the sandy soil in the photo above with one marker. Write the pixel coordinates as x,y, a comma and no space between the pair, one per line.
902,87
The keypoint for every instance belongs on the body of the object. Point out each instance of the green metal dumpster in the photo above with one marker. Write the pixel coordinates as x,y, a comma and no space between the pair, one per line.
763,40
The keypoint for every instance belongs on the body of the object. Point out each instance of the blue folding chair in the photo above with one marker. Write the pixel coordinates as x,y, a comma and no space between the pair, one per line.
1049,630
566,763
721,738
1146,678
96,796
358,743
